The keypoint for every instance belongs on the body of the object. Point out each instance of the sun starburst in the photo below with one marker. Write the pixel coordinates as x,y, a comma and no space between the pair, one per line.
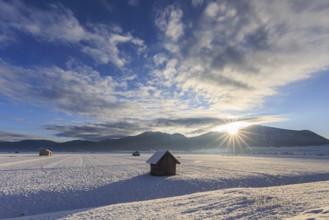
233,135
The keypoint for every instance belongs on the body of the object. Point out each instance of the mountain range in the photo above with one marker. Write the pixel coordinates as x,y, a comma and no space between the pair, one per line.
260,136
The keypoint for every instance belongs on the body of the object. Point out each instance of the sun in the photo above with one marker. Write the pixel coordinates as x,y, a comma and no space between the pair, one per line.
233,131
233,128
233,135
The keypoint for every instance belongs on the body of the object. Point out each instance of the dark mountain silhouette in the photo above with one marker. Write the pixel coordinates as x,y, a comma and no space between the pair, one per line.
269,136
27,145
147,141
257,135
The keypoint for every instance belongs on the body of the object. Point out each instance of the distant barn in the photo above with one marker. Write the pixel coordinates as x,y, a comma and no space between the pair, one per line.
45,152
136,153
162,163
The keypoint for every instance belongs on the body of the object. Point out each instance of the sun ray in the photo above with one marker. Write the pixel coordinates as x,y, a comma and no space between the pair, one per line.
234,136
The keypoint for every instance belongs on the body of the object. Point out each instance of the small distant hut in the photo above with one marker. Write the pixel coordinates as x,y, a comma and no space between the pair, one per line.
45,152
136,153
162,163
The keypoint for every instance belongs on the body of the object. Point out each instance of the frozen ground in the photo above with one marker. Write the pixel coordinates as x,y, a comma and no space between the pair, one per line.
118,186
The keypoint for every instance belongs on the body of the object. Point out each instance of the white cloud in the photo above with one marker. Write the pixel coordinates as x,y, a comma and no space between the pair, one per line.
212,9
239,53
58,24
81,90
169,21
103,44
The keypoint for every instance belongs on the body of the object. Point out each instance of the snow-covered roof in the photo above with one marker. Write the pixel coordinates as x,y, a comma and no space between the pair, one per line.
158,155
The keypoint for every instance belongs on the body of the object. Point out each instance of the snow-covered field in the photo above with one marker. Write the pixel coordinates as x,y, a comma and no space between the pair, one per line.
118,186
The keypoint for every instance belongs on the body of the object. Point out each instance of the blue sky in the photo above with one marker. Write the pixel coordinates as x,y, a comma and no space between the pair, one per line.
101,69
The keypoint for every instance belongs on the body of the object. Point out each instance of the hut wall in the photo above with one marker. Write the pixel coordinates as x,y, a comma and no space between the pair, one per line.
169,165
156,170
165,167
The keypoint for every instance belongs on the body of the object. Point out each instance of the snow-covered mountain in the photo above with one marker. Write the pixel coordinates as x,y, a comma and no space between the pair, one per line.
257,135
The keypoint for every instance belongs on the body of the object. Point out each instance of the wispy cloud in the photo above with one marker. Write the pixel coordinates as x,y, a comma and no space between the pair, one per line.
169,21
81,90
102,44
94,131
240,52
7,136
100,131
58,24
132,126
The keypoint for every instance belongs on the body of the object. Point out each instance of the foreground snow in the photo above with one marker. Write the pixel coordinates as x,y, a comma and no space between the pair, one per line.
248,203
119,184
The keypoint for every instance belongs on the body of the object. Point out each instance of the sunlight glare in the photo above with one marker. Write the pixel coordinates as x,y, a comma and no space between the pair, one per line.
233,131
233,127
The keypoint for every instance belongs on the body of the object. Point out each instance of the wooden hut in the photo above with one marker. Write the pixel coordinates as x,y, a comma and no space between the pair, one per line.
136,153
45,152
162,163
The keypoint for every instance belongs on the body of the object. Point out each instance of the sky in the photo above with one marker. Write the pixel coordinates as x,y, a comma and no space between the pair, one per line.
106,69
